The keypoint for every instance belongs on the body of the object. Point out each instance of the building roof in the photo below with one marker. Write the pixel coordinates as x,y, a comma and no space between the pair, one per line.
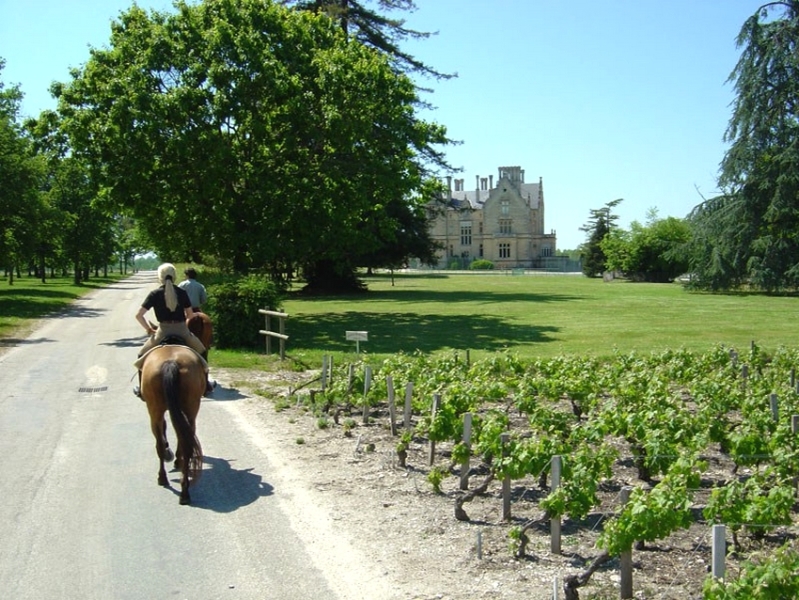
477,198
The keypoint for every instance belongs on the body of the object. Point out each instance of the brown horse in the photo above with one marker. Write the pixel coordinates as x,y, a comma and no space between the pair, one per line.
200,325
173,379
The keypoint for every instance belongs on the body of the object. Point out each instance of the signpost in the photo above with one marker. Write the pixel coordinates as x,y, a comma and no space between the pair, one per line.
357,337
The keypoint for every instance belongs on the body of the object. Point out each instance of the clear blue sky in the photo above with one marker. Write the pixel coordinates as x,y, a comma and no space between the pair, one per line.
603,99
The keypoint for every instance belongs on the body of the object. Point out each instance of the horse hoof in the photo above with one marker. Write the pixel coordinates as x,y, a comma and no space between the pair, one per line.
185,501
163,482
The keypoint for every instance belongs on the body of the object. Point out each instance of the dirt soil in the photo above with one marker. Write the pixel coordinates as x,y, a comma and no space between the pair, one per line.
396,518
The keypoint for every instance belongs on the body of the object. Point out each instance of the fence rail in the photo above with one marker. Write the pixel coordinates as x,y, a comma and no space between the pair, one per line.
280,334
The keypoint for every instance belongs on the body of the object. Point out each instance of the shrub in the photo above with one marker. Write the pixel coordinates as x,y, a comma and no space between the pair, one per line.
482,265
233,308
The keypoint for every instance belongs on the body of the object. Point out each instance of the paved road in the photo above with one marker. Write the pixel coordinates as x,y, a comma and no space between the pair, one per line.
81,515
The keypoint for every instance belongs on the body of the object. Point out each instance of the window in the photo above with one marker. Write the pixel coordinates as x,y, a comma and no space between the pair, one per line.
466,234
481,251
546,251
504,250
505,207
504,226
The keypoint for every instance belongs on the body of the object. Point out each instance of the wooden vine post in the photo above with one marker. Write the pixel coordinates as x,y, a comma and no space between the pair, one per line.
436,403
505,439
795,430
554,522
408,405
625,558
467,441
367,383
392,412
323,383
719,551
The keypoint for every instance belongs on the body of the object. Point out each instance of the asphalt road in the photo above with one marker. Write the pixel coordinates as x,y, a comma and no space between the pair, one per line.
81,515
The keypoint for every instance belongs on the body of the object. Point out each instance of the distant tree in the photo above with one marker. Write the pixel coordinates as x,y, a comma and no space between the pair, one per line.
598,226
653,252
750,233
82,231
20,173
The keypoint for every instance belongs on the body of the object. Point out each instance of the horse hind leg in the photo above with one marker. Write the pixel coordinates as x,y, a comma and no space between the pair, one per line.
168,454
162,450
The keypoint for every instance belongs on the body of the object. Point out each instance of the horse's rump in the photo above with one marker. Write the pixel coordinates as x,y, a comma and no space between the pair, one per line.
200,325
173,379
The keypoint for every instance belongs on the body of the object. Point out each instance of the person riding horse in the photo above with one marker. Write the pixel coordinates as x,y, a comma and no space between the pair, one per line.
172,308
195,289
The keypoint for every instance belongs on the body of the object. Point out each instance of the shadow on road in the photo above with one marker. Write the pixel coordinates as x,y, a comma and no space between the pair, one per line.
224,489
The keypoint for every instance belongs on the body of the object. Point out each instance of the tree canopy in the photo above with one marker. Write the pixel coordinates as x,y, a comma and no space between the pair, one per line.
653,252
599,225
250,133
750,233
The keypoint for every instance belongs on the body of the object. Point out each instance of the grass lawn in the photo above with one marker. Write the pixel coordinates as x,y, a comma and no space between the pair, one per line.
530,315
533,316
28,300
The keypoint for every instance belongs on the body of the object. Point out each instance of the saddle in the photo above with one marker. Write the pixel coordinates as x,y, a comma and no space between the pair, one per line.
170,340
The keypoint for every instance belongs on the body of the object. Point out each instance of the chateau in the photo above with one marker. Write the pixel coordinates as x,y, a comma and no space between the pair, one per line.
502,223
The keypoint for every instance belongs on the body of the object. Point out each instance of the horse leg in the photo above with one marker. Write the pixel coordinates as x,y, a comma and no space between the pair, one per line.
160,450
185,497
168,455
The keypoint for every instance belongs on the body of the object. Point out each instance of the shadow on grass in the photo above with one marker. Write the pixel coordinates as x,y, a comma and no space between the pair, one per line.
407,332
437,296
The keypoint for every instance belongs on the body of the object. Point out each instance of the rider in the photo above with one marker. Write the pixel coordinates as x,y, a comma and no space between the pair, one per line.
172,307
195,289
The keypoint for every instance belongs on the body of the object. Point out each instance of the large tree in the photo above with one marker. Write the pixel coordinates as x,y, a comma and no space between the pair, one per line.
250,132
407,234
750,234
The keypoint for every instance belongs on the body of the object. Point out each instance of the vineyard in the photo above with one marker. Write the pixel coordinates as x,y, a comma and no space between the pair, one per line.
630,453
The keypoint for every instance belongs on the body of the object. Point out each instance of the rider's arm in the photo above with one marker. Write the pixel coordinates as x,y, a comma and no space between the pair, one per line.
143,322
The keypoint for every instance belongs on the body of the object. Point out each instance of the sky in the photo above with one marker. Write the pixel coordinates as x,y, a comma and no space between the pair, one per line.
600,99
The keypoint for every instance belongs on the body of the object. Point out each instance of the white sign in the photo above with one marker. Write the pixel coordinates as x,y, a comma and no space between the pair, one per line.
358,336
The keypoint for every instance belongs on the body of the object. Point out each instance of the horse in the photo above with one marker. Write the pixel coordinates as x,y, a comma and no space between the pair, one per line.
200,325
173,379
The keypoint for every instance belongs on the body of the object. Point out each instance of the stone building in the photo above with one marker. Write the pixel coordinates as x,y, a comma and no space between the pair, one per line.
503,223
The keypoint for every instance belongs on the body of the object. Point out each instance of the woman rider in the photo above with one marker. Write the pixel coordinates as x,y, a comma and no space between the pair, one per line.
172,307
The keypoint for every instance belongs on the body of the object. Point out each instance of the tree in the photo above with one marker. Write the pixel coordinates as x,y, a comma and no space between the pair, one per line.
653,252
598,226
366,26
78,227
750,233
375,30
242,130
20,172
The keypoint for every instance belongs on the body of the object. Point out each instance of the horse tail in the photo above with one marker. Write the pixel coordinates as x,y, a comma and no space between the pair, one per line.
193,455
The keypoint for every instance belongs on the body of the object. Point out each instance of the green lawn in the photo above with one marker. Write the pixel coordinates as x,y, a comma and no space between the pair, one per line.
28,300
530,315
534,316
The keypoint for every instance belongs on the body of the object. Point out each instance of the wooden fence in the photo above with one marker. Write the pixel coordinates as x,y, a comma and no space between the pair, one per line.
280,334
